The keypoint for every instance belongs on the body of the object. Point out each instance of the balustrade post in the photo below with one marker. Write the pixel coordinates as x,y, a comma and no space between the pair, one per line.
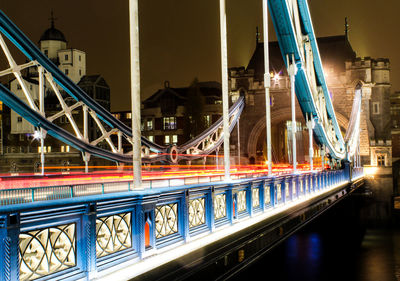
271,191
315,182
9,247
88,241
287,191
249,197
138,229
264,188
323,182
184,216
296,186
291,188
210,209
274,192
230,202
143,231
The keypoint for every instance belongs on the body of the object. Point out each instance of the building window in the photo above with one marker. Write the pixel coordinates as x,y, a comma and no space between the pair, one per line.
44,149
174,139
80,58
21,137
166,139
151,138
63,148
19,119
66,57
46,52
66,72
380,159
169,123
19,87
375,107
80,72
207,120
129,115
149,125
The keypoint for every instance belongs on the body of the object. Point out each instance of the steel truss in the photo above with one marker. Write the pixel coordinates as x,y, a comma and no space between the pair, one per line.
72,99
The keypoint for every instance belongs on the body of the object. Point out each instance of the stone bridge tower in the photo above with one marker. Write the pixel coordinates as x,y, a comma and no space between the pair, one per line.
344,71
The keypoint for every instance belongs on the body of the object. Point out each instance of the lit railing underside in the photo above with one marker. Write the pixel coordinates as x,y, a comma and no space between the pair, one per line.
78,237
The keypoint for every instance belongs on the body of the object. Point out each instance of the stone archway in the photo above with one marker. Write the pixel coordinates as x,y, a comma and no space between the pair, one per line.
278,116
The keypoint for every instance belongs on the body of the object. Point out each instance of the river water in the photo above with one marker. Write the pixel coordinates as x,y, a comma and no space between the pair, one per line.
336,246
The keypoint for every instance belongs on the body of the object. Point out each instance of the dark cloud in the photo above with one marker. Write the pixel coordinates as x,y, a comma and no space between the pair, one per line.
180,38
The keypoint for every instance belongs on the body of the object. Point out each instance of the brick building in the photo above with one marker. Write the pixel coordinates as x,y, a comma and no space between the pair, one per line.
175,115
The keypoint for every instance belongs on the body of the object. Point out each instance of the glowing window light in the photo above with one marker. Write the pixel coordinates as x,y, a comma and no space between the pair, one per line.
276,78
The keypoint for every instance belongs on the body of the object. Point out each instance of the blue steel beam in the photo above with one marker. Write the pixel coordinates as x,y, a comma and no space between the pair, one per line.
285,31
28,48
22,42
38,120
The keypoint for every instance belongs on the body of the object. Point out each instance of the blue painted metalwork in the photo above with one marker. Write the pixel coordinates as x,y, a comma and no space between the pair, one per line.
110,229
285,31
22,42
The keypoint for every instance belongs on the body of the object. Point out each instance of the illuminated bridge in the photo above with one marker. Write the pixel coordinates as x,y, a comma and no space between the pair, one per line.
182,221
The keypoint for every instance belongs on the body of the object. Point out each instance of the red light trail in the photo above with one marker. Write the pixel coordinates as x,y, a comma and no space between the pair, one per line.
149,173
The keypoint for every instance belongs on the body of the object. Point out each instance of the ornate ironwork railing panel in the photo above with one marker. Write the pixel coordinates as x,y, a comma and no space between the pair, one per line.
278,188
113,234
220,206
294,188
255,192
241,200
46,251
287,191
197,212
166,219
267,194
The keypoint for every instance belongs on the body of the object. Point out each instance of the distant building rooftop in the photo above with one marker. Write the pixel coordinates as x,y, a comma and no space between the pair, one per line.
334,50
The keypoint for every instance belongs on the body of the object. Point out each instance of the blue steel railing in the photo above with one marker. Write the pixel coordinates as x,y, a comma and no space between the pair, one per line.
32,194
80,237
357,172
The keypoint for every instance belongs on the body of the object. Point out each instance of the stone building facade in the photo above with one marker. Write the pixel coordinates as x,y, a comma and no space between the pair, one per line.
344,71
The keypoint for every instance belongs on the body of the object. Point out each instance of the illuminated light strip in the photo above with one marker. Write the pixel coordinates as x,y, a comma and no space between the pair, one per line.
151,176
172,252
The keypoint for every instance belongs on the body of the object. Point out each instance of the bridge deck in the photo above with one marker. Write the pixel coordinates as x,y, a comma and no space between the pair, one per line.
93,236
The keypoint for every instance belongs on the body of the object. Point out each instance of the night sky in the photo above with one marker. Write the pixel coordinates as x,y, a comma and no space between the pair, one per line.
179,39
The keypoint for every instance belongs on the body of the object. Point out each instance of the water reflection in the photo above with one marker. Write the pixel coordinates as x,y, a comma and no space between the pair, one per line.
332,249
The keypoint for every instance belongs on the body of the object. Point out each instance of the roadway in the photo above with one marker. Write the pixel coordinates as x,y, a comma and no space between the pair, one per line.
154,173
